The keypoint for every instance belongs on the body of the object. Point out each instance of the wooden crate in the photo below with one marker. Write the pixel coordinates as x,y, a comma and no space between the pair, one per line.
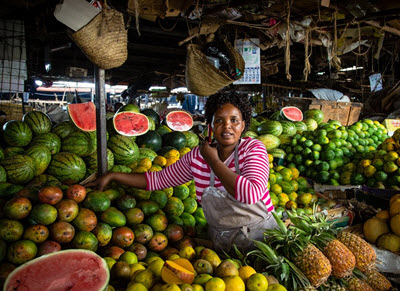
345,112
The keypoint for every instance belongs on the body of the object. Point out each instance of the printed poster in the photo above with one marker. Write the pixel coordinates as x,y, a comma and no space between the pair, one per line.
250,51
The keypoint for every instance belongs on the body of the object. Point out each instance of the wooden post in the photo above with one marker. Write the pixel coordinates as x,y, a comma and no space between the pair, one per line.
100,101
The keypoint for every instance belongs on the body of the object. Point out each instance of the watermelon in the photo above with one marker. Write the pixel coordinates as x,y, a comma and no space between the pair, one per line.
151,140
67,167
147,153
131,123
44,180
63,129
285,139
121,169
315,114
38,121
152,114
163,129
62,270
192,140
253,124
83,115
129,108
270,141
17,133
175,139
125,151
179,120
79,143
301,126
276,116
1,154
291,113
250,133
3,175
311,124
41,156
20,169
50,140
270,127
12,151
277,153
288,128
91,161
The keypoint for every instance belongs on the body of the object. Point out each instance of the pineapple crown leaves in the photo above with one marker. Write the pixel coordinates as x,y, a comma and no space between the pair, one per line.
280,266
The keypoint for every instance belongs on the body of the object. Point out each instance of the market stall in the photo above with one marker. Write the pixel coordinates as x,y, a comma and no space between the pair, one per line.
333,167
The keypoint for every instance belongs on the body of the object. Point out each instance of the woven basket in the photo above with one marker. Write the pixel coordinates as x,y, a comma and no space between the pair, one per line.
202,77
104,40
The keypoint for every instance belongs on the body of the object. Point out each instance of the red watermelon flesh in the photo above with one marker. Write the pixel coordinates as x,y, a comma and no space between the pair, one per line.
73,270
131,123
83,115
179,120
292,113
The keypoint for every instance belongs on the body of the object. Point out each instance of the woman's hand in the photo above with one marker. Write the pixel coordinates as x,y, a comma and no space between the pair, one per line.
209,152
101,182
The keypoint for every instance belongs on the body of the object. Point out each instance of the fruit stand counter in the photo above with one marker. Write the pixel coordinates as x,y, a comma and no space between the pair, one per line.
345,112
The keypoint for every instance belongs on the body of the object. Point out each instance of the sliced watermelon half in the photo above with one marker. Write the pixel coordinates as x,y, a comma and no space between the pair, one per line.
131,123
292,113
83,115
179,120
62,270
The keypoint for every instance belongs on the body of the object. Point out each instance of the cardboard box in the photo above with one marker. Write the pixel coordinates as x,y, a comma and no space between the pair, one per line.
391,125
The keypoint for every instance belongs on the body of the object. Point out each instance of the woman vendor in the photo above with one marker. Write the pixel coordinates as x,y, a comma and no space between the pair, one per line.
230,175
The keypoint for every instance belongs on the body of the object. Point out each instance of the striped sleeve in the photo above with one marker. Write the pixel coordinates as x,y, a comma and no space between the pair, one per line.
252,184
176,174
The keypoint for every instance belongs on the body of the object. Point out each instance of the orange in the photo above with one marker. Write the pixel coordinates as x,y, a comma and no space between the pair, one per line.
295,173
145,163
160,160
283,198
245,272
287,174
184,151
171,161
234,283
390,167
169,191
139,170
172,154
277,189
170,287
270,158
257,282
215,284
155,168
369,171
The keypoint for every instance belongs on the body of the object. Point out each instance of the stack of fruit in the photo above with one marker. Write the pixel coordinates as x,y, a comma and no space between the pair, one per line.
384,228
309,254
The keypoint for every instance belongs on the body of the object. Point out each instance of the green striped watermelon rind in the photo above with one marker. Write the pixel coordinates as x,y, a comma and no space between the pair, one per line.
50,140
91,161
125,151
20,169
17,133
41,156
77,142
270,127
288,128
63,129
38,121
3,174
67,167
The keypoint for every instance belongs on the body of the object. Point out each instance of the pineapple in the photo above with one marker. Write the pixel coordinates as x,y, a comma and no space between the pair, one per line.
356,284
296,246
334,286
377,281
341,258
312,262
321,234
363,252
309,288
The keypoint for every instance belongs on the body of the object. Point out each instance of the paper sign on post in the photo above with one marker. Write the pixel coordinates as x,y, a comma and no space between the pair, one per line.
250,51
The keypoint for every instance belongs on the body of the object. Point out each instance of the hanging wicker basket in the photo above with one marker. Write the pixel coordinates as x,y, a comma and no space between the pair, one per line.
202,77
104,40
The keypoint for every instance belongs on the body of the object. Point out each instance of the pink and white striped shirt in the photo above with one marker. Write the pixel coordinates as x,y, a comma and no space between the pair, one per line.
250,185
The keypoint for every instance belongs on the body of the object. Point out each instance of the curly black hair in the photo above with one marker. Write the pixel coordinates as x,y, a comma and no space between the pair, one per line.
240,101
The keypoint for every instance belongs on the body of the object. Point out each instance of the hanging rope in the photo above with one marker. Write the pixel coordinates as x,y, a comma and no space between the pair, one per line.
136,2
335,59
287,48
307,65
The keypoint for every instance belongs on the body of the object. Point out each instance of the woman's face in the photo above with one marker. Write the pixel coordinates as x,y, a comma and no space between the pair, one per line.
228,124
